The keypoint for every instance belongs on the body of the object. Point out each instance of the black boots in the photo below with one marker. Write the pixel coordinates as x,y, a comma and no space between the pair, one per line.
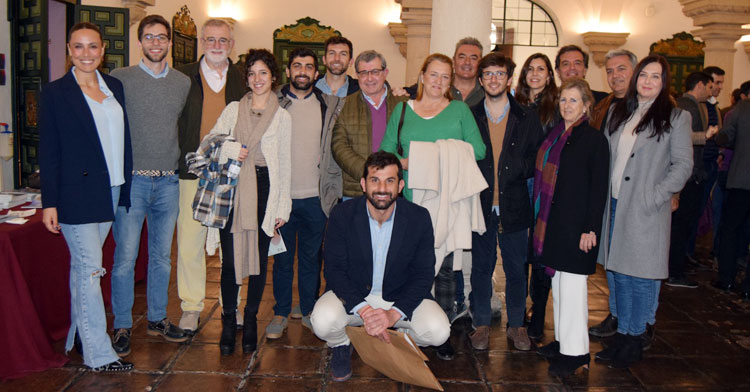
629,353
565,365
228,333
249,333
624,351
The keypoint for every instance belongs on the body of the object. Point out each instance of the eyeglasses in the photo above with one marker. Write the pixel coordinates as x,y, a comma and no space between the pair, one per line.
498,74
162,38
212,41
374,72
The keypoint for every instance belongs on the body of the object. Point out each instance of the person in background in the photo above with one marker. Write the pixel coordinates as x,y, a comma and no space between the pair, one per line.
86,158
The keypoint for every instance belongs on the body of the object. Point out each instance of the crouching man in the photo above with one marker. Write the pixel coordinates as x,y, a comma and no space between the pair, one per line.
379,267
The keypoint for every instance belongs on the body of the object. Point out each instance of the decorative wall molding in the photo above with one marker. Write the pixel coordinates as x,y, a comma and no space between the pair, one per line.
600,43
137,9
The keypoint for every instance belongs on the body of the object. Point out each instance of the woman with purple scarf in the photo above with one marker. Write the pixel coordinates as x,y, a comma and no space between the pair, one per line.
570,193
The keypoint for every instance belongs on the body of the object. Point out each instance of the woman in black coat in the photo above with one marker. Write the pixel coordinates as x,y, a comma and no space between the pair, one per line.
570,191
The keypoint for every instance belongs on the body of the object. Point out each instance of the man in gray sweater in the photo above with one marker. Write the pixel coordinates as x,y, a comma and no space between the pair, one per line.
154,96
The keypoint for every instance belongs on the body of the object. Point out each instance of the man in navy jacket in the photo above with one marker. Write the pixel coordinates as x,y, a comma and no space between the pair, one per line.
379,267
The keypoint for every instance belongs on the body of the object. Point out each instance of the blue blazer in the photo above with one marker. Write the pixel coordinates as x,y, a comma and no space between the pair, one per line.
73,169
409,266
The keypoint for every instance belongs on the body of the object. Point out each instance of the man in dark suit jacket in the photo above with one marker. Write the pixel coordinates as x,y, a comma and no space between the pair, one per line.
379,267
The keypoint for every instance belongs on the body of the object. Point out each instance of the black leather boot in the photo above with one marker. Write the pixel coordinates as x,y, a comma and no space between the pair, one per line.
249,333
630,353
565,365
228,333
609,353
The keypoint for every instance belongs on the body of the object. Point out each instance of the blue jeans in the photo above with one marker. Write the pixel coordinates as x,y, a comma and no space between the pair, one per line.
635,303
513,250
157,200
87,316
611,276
307,221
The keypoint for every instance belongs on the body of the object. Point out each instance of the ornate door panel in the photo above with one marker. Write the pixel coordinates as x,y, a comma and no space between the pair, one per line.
31,71
307,32
684,54
114,25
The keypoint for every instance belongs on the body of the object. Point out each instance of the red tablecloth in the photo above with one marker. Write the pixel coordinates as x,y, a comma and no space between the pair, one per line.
35,296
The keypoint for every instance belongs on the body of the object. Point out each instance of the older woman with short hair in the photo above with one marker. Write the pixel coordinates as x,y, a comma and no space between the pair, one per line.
570,192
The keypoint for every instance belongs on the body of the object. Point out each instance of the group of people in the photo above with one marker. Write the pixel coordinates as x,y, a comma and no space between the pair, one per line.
329,156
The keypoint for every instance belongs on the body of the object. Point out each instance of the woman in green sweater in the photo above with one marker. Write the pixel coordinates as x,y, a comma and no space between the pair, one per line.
432,116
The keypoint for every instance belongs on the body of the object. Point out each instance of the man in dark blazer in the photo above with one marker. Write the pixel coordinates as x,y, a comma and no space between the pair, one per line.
379,267
735,134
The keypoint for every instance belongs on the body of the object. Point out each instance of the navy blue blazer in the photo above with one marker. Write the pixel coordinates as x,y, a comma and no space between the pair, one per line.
73,169
409,266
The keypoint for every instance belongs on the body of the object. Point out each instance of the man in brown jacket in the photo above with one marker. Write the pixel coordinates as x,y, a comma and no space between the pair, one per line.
361,124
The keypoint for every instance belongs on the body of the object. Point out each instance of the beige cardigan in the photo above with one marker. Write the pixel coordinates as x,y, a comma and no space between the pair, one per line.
276,147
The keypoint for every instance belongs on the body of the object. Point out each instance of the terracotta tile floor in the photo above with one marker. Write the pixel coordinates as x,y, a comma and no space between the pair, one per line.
702,344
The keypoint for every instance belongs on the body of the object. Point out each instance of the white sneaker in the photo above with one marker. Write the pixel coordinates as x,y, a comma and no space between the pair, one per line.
189,321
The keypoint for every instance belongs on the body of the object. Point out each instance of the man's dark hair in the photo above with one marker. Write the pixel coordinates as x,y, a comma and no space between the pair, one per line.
301,51
496,59
263,55
745,88
736,97
380,160
335,40
696,77
152,20
713,70
571,48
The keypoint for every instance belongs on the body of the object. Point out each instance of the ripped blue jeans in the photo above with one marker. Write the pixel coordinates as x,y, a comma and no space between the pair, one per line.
87,315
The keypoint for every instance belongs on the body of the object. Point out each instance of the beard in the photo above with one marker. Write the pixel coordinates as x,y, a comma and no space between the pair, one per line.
301,82
153,58
496,95
340,71
381,204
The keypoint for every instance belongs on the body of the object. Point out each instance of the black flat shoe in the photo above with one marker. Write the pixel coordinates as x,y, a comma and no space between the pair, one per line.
445,351
549,351
630,352
606,328
565,365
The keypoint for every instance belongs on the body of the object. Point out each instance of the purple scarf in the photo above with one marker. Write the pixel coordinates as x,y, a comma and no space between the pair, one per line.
545,177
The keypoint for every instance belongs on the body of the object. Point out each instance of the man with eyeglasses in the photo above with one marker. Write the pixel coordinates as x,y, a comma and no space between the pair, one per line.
361,125
337,59
154,96
512,134
315,189
214,83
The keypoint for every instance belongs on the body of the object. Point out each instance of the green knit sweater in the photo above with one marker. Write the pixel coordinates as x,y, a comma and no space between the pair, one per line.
454,122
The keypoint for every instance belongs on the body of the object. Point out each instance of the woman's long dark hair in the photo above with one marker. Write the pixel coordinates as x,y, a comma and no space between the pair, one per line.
659,115
546,99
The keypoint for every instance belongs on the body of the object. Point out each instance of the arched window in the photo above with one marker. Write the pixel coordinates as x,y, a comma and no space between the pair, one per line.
522,22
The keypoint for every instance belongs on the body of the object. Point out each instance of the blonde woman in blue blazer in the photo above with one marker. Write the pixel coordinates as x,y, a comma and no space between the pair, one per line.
85,164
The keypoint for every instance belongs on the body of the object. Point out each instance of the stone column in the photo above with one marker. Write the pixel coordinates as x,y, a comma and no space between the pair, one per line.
600,43
453,20
137,9
720,23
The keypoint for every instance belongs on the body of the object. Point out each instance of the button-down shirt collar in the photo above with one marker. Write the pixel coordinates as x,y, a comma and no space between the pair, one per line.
162,74
382,97
322,84
215,79
102,84
502,115
380,237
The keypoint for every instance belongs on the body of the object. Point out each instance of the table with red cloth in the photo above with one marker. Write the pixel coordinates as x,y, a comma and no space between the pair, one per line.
35,293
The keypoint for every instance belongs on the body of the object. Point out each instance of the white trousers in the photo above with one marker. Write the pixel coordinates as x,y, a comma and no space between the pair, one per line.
571,311
428,326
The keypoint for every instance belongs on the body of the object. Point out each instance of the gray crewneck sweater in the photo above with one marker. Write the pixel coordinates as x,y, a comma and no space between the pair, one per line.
153,107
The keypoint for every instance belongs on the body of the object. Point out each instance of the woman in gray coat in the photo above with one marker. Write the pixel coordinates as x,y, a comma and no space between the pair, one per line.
651,161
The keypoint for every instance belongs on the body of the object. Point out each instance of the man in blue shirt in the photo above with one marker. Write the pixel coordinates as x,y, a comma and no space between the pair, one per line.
379,267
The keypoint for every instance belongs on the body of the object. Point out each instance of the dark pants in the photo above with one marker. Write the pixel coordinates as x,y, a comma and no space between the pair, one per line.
308,222
684,220
539,286
483,261
513,250
255,283
445,285
735,214
712,172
